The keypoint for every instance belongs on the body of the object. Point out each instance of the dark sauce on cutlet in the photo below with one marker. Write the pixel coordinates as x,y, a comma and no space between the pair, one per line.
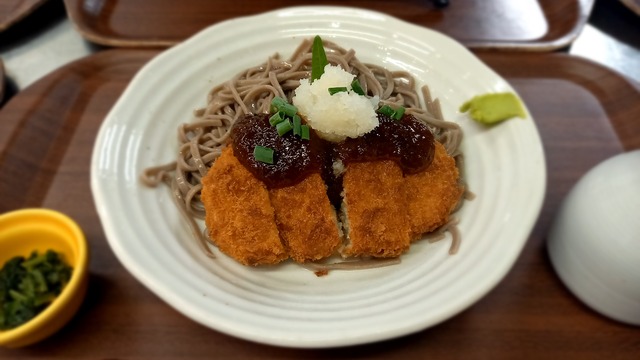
407,141
294,158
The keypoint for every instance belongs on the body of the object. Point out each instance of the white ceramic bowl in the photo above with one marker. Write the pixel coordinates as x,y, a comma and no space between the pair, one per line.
288,305
594,243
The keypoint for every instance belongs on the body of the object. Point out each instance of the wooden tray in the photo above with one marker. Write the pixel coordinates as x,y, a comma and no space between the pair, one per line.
540,25
585,114
11,11
1,82
633,5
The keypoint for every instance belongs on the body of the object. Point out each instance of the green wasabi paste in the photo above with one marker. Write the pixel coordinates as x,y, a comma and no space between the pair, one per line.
494,107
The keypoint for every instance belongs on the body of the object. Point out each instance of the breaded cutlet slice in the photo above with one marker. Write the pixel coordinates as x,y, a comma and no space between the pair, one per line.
239,215
374,215
433,193
306,220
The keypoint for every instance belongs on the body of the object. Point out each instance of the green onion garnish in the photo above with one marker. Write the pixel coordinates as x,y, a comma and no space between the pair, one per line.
284,127
318,59
398,113
304,129
297,123
281,105
386,110
289,109
391,112
355,85
263,154
335,90
276,102
276,118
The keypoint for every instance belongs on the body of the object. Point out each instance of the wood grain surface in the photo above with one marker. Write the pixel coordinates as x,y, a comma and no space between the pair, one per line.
1,81
12,11
633,5
584,112
501,24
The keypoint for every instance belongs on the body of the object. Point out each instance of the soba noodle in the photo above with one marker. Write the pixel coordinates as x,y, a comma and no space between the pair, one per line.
201,141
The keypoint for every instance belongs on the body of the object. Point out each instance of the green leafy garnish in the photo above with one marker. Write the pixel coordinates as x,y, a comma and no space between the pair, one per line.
398,113
263,154
305,133
395,114
285,118
297,124
28,286
386,110
356,87
318,59
276,118
335,90
281,105
283,127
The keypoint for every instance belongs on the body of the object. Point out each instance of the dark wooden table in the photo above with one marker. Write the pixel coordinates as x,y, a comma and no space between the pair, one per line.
585,114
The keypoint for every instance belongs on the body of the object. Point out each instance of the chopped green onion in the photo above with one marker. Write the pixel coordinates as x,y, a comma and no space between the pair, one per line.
386,110
277,102
355,85
318,59
305,135
297,123
391,112
276,118
335,90
281,105
289,110
263,154
399,113
284,127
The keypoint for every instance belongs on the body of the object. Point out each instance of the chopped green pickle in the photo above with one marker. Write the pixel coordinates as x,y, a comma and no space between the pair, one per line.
494,107
28,286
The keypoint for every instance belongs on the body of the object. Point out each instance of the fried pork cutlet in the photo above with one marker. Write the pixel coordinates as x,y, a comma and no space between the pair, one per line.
239,215
306,220
374,215
432,194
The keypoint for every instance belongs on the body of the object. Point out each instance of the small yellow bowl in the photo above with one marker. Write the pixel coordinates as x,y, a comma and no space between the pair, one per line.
28,230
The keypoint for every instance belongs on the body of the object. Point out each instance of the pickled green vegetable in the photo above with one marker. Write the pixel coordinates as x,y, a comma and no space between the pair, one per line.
28,286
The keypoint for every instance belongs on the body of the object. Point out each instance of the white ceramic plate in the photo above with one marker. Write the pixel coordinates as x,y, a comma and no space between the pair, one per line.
288,305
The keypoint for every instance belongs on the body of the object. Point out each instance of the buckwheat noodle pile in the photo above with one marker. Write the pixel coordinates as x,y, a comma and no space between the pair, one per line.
201,141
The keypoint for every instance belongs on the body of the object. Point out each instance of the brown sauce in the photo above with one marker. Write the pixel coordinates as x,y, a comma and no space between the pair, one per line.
408,142
294,158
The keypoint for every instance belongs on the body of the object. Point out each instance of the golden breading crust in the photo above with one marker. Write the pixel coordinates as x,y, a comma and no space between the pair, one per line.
433,193
374,210
239,214
306,220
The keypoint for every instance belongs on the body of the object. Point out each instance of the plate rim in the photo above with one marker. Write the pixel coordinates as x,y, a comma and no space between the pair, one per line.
177,303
